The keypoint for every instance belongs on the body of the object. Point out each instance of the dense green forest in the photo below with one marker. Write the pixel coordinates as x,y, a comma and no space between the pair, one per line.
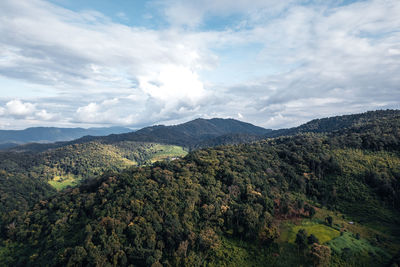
27,177
85,159
320,197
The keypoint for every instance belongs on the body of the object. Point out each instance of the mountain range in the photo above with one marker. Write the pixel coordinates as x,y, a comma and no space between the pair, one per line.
11,138
200,133
192,134
326,193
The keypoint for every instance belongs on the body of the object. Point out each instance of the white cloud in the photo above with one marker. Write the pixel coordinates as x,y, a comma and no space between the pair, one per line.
173,83
295,62
18,108
89,113
103,113
98,59
91,52
44,115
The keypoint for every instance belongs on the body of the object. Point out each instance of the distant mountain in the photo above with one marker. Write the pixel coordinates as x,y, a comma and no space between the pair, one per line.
9,138
259,204
192,134
200,133
8,145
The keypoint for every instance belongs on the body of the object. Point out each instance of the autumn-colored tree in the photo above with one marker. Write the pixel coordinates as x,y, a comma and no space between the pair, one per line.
268,234
320,255
208,239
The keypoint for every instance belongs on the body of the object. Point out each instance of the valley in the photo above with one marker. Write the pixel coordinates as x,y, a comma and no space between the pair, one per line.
325,193
203,133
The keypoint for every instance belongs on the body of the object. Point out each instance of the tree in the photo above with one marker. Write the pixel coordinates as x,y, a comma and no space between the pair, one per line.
329,220
268,234
312,212
320,255
300,203
301,239
312,239
209,239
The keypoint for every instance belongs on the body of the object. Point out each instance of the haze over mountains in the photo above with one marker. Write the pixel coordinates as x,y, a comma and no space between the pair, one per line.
53,134
193,134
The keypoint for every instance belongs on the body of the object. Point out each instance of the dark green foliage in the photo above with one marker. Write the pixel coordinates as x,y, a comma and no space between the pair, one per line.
310,210
340,123
181,213
18,192
329,220
301,239
357,236
85,160
311,239
24,177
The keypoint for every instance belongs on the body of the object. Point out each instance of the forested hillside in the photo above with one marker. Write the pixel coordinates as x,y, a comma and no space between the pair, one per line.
190,133
336,123
27,177
317,199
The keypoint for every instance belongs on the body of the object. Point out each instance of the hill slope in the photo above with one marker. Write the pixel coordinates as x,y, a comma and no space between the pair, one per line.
336,123
227,206
26,178
190,133
205,133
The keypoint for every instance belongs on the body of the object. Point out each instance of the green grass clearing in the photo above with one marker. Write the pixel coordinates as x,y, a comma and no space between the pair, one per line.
348,248
61,182
348,240
322,232
162,152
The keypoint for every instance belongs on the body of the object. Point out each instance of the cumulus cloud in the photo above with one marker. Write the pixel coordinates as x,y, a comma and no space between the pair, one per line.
118,111
44,115
296,61
330,61
92,51
99,59
18,108
25,111
89,113
108,112
173,83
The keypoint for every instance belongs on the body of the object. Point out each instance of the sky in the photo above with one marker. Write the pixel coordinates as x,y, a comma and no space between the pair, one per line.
276,64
